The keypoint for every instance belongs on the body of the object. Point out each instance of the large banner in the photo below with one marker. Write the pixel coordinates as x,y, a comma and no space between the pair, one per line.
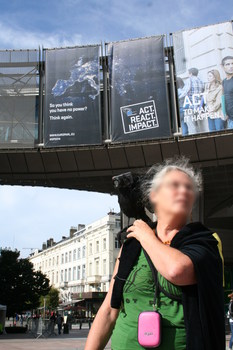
139,107
204,78
72,97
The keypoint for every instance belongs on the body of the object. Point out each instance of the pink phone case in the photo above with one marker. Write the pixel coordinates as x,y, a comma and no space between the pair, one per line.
149,329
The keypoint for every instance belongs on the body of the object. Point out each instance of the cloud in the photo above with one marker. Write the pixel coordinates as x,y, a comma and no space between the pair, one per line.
19,38
74,22
32,215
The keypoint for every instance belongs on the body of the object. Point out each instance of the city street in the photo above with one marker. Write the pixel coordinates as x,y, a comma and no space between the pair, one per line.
75,340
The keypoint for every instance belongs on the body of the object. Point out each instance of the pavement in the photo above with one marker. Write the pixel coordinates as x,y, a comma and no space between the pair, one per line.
75,340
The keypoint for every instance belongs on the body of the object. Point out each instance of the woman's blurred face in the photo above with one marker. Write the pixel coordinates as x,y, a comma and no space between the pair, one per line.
210,77
175,195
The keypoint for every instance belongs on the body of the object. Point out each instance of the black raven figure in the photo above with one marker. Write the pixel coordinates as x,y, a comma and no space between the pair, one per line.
128,188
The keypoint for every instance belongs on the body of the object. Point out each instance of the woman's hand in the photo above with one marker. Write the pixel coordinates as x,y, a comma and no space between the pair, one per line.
140,230
175,266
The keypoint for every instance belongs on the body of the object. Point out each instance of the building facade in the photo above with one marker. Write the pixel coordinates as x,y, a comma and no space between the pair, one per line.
82,263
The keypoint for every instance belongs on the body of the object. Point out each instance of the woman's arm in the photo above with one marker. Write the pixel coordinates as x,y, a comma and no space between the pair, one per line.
175,266
105,319
216,104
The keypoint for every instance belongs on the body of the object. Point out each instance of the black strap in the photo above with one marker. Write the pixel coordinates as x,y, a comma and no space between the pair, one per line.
155,276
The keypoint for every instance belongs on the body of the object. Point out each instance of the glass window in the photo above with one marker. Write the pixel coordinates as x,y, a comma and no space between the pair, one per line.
66,257
79,253
90,268
117,245
90,248
74,254
74,273
65,278
97,267
104,267
104,244
62,258
84,251
78,273
57,277
69,274
57,259
70,256
84,271
97,246
62,278
118,223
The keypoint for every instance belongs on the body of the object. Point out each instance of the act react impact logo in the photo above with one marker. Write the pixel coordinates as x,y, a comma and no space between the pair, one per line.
139,117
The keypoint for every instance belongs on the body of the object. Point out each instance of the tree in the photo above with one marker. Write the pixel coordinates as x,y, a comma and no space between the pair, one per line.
52,299
20,286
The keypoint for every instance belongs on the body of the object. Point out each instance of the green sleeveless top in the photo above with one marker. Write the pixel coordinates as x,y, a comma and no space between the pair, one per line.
138,296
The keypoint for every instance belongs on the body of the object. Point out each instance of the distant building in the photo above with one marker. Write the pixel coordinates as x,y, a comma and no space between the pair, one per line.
81,265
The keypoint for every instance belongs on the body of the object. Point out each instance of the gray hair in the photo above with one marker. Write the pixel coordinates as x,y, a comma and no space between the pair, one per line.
154,176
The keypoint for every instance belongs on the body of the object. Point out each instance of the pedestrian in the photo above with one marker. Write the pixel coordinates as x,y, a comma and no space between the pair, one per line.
21,320
59,323
181,95
52,322
214,93
193,90
227,64
53,317
170,271
230,315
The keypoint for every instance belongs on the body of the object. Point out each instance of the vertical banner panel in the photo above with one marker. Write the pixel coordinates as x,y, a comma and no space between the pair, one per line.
72,97
139,107
204,78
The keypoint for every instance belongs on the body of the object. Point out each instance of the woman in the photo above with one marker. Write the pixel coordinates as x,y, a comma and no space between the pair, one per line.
181,96
189,264
214,92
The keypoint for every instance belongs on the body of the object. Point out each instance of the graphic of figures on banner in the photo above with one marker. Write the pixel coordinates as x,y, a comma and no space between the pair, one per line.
204,71
139,107
72,97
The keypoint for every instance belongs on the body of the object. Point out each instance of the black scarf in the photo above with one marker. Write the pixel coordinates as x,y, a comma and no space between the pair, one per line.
203,302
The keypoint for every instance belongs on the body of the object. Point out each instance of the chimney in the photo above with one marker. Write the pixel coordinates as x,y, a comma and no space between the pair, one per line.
51,242
80,226
44,246
72,231
63,237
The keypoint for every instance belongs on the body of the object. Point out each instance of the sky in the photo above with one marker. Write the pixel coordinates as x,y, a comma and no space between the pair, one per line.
31,215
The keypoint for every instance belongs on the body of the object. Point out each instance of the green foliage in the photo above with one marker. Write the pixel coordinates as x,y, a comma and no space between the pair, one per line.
52,299
20,286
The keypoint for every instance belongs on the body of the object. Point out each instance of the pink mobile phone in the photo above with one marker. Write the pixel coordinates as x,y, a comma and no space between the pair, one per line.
149,329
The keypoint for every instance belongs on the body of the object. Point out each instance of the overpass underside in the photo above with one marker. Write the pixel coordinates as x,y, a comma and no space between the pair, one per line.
92,168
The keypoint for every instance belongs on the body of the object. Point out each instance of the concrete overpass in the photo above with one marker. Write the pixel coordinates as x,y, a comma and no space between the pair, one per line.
91,168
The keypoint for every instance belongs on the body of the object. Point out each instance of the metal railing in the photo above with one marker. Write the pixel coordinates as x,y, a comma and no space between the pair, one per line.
39,327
